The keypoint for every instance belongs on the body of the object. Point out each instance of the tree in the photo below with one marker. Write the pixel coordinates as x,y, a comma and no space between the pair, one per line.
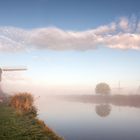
103,89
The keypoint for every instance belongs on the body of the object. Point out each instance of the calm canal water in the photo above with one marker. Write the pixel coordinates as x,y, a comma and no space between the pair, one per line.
89,121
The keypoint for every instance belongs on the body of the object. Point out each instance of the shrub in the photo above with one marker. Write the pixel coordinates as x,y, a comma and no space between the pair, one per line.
23,103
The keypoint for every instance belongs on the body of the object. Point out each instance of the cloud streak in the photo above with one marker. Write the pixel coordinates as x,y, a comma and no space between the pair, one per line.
122,34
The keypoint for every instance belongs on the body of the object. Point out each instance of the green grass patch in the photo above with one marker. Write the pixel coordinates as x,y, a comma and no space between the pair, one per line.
22,127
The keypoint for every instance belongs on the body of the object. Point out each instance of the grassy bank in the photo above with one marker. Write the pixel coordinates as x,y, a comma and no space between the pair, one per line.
20,126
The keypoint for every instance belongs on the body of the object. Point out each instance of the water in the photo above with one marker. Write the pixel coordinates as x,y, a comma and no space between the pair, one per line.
88,121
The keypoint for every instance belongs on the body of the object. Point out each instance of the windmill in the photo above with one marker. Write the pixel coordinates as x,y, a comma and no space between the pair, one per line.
119,88
5,69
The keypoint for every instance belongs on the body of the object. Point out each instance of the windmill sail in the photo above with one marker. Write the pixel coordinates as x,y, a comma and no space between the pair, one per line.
11,69
14,69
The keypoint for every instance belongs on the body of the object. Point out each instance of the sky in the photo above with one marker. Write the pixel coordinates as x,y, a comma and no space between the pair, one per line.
70,43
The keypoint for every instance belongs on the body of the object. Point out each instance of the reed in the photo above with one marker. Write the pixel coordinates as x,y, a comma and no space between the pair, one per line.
24,104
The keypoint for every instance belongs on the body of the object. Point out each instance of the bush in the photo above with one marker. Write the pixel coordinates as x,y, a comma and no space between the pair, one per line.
23,103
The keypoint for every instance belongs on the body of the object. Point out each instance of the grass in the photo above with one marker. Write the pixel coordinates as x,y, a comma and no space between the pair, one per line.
15,126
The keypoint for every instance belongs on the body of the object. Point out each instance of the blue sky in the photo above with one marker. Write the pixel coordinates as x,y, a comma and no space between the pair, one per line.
66,14
72,42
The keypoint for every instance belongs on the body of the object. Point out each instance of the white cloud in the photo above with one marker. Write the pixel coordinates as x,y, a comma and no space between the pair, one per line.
123,41
124,34
124,24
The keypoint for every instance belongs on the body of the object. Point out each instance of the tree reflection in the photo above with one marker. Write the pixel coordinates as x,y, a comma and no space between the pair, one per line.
103,110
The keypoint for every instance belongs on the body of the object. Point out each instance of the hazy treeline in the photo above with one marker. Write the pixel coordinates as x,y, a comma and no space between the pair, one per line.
118,100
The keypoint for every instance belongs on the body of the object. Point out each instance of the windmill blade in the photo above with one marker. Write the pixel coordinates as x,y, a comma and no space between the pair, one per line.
14,69
11,69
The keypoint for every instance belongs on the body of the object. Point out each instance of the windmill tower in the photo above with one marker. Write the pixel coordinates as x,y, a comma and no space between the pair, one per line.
118,89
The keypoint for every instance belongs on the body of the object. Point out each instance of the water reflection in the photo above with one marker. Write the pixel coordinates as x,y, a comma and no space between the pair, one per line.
103,110
103,104
113,118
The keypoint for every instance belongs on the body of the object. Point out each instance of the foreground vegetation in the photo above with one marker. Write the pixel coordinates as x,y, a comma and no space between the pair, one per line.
19,122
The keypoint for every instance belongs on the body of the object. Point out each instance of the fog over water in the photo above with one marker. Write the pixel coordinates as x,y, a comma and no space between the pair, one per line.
77,113
80,120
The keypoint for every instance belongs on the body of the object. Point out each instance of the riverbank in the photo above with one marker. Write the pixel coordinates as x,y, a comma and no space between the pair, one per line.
118,100
14,126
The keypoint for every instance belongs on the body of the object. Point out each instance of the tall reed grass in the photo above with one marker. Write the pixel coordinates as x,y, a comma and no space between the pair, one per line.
24,104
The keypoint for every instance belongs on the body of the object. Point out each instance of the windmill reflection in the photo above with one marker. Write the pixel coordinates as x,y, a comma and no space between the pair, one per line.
103,110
